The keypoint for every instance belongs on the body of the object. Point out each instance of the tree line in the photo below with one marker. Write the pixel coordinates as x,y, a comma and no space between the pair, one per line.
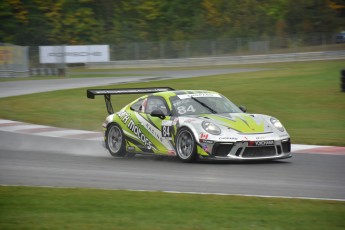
76,22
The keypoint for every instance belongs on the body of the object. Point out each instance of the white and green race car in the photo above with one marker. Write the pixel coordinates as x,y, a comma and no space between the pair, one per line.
190,124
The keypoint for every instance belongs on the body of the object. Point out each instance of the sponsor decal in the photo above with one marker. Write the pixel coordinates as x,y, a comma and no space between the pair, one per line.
168,122
125,118
204,147
228,138
186,96
180,102
206,141
203,136
74,54
261,143
130,148
153,131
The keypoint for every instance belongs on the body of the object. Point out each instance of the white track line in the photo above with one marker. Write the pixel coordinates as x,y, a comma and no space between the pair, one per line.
192,193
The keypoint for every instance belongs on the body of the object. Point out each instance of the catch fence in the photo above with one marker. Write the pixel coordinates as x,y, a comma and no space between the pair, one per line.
216,48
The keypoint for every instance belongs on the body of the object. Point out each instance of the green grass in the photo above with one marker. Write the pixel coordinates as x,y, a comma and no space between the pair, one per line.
305,96
53,208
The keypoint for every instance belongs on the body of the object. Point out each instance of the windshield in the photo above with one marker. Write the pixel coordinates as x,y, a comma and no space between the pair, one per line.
206,103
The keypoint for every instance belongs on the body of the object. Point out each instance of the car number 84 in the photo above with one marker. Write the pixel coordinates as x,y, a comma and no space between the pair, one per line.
185,109
166,131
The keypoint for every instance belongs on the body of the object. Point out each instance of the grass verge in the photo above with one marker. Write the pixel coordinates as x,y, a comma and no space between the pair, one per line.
305,96
53,208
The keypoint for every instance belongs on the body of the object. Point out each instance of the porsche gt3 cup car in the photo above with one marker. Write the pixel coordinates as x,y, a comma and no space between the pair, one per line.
190,124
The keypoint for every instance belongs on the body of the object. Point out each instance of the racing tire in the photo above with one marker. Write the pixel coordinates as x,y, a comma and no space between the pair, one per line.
186,146
115,140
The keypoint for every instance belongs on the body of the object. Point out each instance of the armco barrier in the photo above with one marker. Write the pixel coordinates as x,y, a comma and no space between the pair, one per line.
47,72
226,60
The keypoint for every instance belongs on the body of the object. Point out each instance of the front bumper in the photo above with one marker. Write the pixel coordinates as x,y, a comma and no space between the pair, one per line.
251,150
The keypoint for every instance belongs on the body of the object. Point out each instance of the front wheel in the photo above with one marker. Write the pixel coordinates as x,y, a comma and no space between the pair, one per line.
115,140
186,145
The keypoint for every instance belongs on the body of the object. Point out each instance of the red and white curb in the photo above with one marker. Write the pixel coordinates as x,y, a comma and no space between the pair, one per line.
41,130
317,149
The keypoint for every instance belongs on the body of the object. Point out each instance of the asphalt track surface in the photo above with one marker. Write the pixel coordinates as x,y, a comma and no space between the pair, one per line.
47,161
14,88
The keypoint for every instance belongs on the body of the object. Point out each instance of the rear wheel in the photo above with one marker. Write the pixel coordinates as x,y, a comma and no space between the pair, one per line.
115,140
186,145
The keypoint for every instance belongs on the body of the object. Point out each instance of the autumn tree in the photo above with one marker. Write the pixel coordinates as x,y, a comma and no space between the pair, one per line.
44,22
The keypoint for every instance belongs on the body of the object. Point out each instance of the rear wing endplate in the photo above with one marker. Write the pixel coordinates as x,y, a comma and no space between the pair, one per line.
91,93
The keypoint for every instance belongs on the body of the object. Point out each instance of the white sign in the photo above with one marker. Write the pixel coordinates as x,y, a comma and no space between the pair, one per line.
74,54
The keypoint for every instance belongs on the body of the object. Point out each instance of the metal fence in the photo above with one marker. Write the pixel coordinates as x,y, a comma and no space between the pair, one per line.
224,47
164,50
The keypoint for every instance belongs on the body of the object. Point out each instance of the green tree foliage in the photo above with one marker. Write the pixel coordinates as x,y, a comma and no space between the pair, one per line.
22,22
43,22
310,16
135,20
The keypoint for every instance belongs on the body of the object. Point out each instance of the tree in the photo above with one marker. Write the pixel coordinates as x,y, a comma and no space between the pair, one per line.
44,22
310,16
22,23
73,22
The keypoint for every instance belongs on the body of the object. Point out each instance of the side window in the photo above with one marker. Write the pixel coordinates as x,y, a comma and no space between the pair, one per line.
156,103
137,105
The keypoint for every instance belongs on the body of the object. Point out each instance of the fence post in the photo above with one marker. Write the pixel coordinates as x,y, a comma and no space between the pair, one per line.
239,46
213,47
136,51
162,49
186,49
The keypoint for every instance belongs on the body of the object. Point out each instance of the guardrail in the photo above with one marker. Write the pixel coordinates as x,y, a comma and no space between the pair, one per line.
47,72
13,73
226,60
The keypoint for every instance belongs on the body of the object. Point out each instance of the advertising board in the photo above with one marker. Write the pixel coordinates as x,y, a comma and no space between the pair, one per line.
74,54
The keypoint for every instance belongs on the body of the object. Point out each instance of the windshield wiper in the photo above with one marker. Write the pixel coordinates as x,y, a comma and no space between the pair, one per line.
203,104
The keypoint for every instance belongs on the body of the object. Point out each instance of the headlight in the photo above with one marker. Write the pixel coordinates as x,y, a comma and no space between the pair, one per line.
210,128
276,123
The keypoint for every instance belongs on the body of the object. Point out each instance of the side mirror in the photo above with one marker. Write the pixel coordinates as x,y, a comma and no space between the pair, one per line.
243,108
158,113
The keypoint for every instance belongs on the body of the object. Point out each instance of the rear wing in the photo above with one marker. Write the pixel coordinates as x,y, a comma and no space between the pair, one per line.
91,93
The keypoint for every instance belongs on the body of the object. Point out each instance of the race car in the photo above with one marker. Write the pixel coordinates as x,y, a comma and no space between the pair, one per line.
190,124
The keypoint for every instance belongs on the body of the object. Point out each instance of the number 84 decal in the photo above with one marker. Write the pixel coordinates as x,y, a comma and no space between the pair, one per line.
184,109
166,128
